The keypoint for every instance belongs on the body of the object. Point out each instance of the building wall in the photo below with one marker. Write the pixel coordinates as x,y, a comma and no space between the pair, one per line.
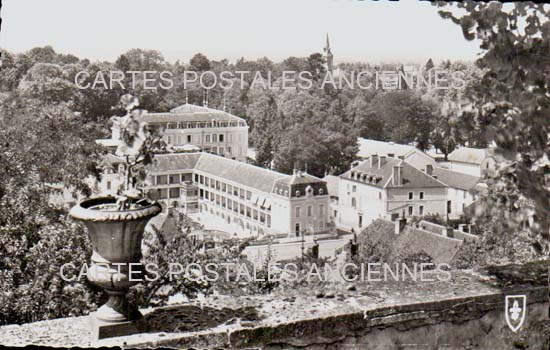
238,208
234,142
466,168
434,201
281,210
220,201
310,213
488,166
111,181
369,204
459,200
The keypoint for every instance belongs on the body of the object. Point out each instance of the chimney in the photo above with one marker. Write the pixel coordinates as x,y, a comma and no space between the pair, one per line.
429,169
397,174
381,161
373,160
400,225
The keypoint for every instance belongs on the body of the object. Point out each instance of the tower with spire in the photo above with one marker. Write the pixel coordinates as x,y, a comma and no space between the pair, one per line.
328,56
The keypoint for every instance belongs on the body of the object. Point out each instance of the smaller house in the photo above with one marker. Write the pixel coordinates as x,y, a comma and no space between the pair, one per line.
462,189
472,161
411,154
387,187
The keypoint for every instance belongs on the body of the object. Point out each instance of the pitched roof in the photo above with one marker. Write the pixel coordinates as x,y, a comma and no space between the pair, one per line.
369,147
412,177
246,174
111,159
175,161
410,241
456,179
190,113
299,178
332,185
469,155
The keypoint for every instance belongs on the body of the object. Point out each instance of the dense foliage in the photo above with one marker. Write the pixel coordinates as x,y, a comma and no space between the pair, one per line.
509,106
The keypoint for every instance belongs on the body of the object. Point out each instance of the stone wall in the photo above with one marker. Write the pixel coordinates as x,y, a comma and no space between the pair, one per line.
466,312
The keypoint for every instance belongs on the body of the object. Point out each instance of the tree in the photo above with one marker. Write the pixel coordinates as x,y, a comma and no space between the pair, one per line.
365,119
406,117
142,60
44,54
429,65
512,102
123,63
263,111
316,65
199,63
41,145
45,81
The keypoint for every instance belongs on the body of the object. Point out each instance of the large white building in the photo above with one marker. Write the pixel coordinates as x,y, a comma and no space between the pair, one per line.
204,128
244,198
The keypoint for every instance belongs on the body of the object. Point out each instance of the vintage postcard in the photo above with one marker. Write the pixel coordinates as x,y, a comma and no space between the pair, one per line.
261,174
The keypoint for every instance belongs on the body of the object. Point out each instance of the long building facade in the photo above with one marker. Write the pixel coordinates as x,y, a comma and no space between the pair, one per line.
245,197
207,129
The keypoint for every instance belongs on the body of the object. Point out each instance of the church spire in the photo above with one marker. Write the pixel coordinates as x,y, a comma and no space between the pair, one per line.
328,55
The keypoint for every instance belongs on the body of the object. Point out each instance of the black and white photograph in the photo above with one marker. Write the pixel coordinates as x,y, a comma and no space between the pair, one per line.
275,174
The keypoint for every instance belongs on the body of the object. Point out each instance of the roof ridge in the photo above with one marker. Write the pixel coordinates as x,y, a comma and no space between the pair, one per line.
243,163
424,174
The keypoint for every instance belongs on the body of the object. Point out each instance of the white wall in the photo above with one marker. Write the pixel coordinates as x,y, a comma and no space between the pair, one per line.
459,200
434,202
466,168
370,204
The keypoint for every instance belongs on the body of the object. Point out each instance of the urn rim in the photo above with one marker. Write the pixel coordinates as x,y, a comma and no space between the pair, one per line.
83,210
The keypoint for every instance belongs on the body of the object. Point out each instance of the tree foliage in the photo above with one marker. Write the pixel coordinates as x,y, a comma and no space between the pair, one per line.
509,106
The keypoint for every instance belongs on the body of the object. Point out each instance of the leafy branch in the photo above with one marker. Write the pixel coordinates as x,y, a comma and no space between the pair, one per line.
137,147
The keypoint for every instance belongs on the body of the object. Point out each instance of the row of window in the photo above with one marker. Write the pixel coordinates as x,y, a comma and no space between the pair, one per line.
164,193
420,195
321,211
172,179
199,125
239,208
196,139
298,229
235,191
420,210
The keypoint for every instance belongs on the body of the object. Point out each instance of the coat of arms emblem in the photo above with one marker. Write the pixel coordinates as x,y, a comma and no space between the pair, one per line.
515,310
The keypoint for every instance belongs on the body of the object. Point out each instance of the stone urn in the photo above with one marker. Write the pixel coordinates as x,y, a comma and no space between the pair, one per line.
116,237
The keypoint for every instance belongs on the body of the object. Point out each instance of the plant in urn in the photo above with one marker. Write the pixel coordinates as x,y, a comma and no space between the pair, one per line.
116,225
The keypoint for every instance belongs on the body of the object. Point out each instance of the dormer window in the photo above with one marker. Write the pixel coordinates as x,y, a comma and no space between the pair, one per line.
297,193
321,191
309,190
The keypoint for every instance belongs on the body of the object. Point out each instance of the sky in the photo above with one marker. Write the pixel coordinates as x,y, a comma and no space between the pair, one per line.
360,31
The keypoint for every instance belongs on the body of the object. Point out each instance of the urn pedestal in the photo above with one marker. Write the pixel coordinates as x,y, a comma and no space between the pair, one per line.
116,237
